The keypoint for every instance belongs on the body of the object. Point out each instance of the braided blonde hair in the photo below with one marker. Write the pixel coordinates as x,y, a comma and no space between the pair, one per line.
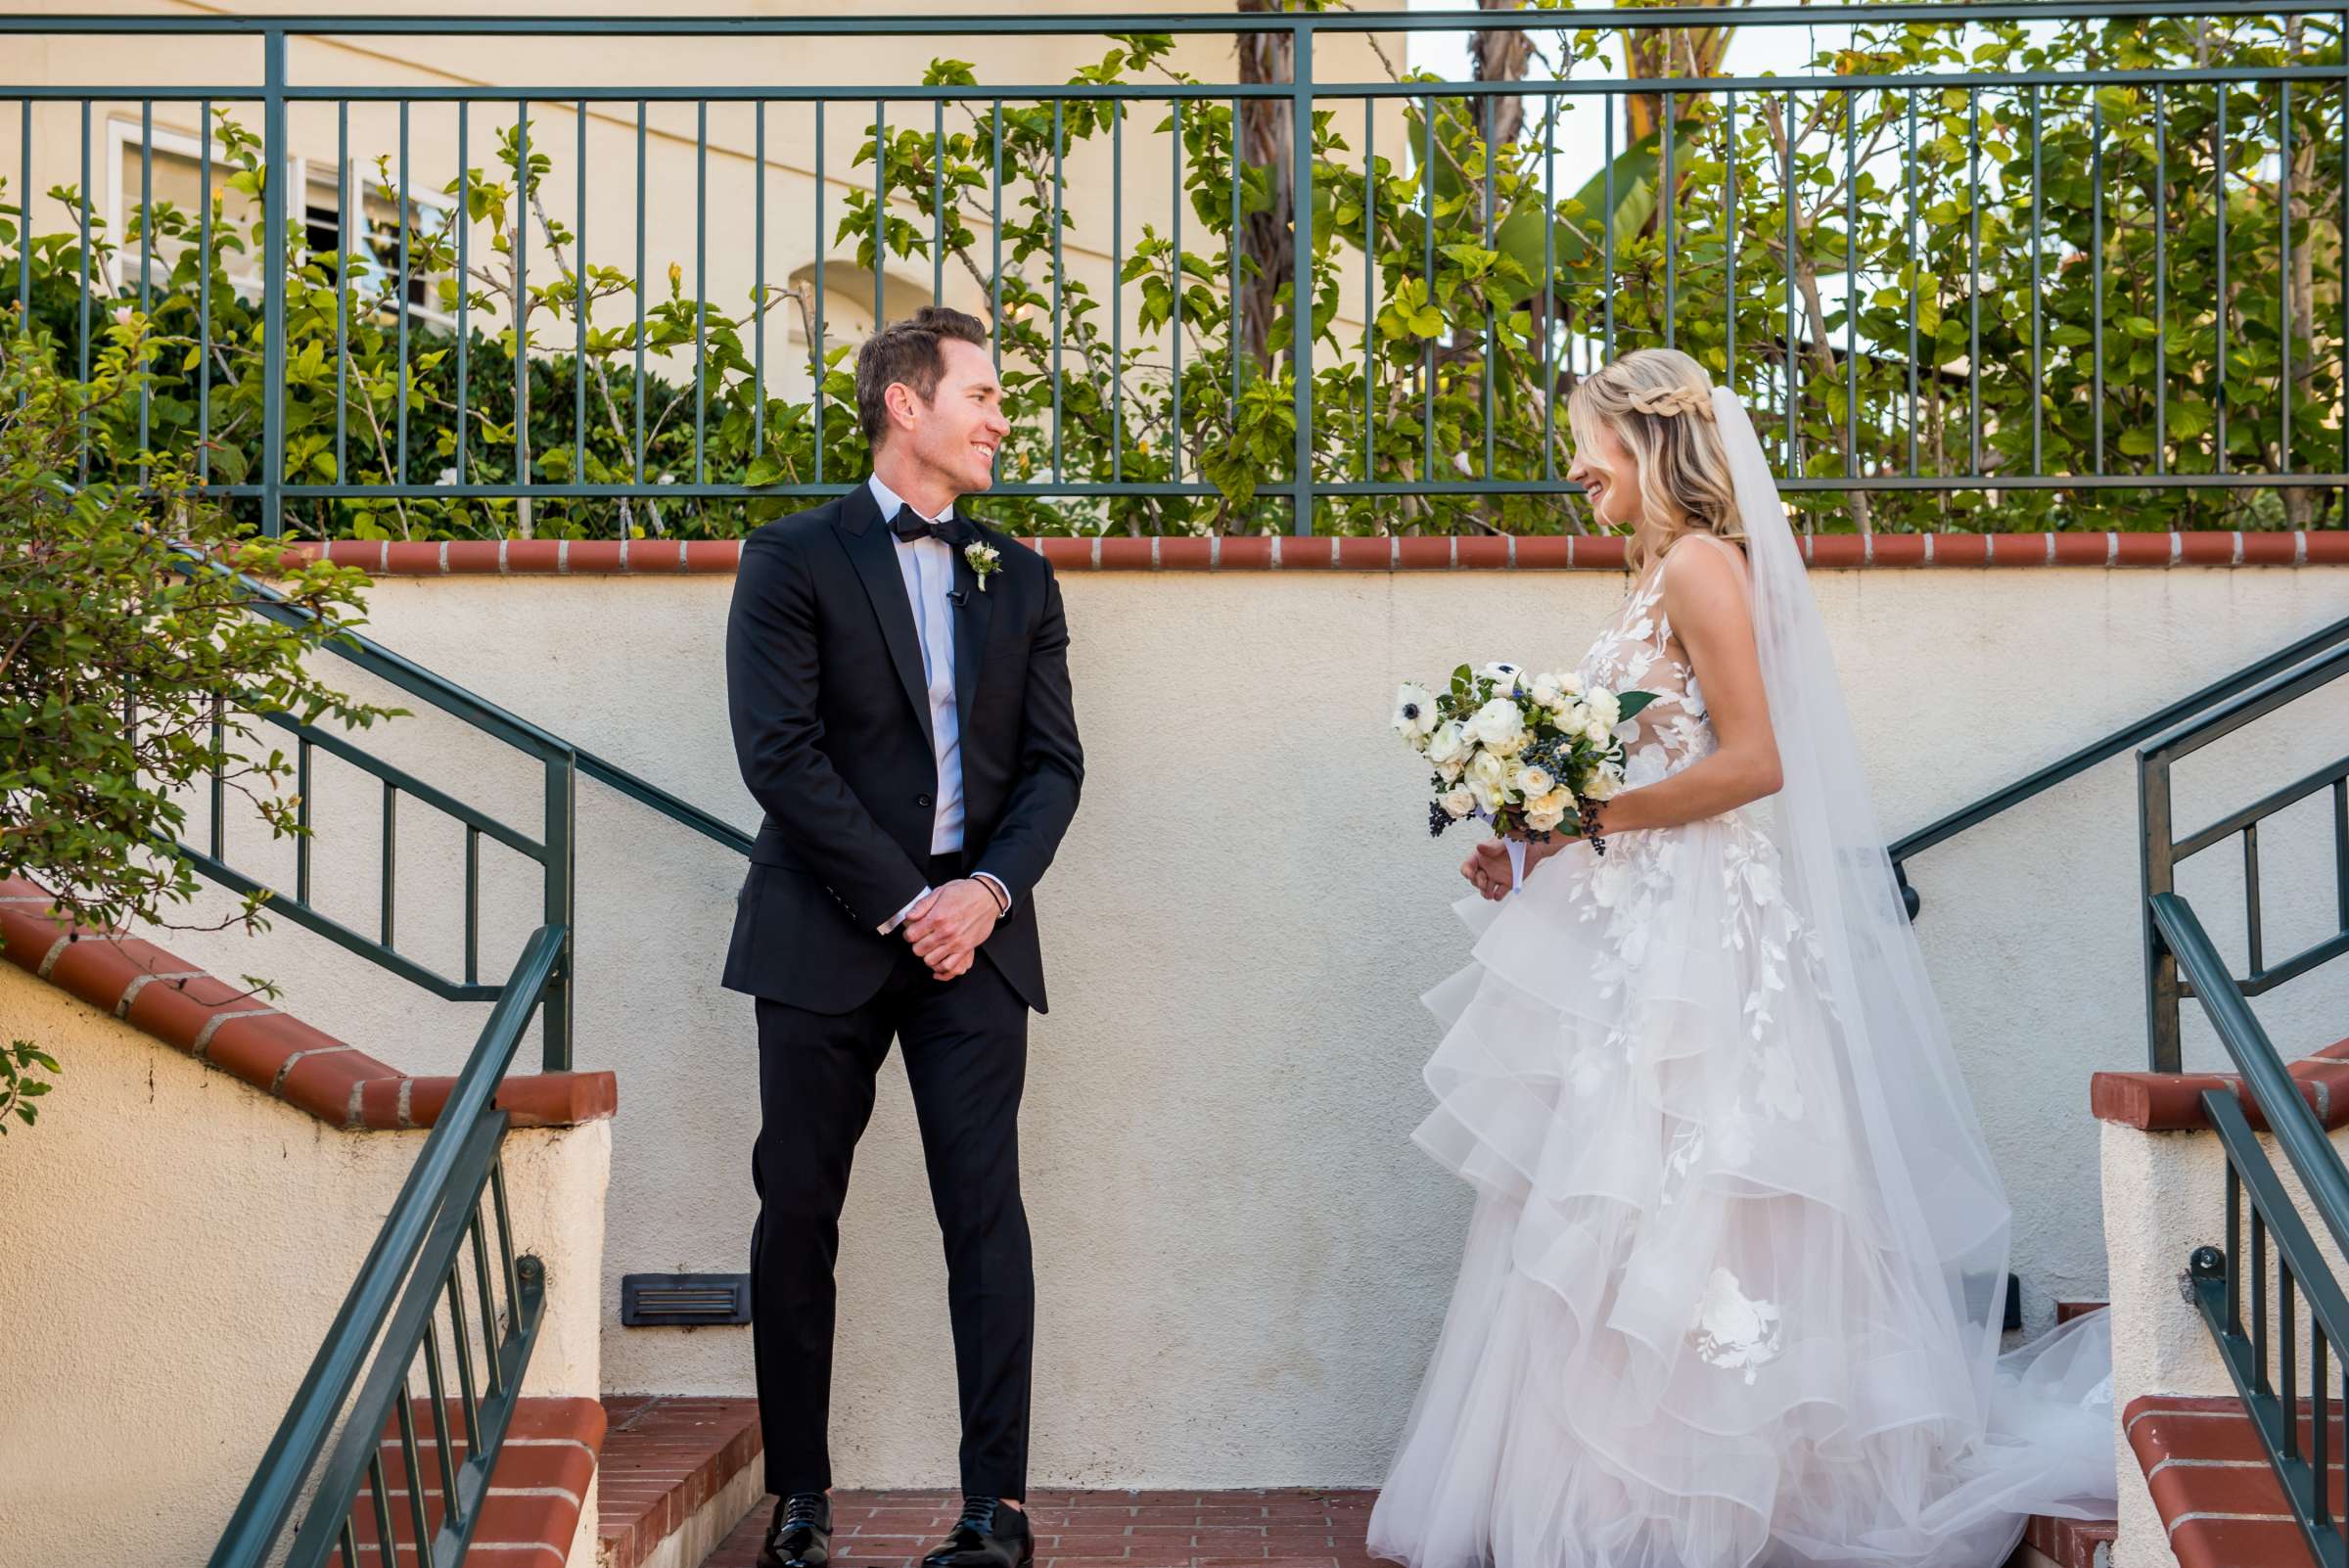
1659,403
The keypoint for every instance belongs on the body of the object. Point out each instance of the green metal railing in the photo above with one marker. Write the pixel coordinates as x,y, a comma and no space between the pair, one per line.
411,1294
2261,1350
2164,849
2069,277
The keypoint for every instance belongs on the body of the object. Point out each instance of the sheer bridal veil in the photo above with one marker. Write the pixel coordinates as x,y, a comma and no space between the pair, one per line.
2029,1433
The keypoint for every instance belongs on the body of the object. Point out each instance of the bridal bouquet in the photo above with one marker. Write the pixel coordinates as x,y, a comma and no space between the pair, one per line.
1520,753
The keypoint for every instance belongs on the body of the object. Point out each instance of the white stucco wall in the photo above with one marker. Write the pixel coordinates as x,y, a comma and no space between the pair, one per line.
1242,1259
173,1245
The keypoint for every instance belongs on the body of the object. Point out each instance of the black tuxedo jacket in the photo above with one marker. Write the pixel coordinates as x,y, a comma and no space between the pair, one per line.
831,725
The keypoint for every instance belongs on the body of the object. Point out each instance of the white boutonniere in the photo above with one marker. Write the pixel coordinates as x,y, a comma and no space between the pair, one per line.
984,559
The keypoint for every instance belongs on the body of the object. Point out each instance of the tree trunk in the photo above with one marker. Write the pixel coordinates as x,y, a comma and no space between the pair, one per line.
1500,54
1266,238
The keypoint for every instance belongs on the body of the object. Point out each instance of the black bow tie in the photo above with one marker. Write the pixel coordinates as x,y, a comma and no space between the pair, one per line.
909,526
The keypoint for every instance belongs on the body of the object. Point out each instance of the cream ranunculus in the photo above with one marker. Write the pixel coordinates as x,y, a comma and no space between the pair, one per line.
1415,714
1450,770
1533,782
1543,813
1458,801
1447,743
1497,724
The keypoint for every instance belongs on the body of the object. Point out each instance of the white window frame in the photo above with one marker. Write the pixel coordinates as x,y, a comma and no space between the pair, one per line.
124,141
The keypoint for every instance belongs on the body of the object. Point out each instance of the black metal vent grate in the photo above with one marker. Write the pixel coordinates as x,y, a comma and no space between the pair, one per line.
684,1301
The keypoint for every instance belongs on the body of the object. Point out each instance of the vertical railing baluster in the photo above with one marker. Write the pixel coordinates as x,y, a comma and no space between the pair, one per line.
759,280
407,218
219,777
1548,291
391,856
2219,294
472,904
464,280
1606,228
412,1461
346,187
302,820
2289,1338
1917,273
1974,282
1301,337
2285,321
1232,323
1794,368
505,1236
349,1542
1851,283
701,287
1117,293
1491,345
25,209
204,282
436,1383
637,396
937,199
486,1301
1175,275
1059,222
82,205
464,408
881,209
579,302
823,243
2319,1445
2235,1251
2095,265
2341,852
146,224
1730,244
2038,306
461,1337
1427,273
278,161
387,1536
561,842
2251,896
2259,1299
1668,197
2161,283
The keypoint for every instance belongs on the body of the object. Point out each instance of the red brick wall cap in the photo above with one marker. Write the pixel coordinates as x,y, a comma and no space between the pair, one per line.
2172,1102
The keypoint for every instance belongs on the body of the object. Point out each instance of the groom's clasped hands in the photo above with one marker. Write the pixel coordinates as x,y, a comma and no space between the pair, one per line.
946,927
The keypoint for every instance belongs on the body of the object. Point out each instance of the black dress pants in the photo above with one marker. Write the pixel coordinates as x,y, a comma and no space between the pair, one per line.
966,1057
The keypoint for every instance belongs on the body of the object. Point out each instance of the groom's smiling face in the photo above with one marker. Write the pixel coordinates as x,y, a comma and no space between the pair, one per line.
955,433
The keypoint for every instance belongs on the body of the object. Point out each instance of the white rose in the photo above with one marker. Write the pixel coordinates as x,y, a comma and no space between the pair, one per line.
1571,684
1449,772
1606,708
1548,692
1458,802
1449,743
1573,719
1414,712
1489,770
1498,722
1599,734
1603,784
1544,821
1533,782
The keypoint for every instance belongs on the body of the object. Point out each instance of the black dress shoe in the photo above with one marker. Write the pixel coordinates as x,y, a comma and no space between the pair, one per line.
990,1534
801,1535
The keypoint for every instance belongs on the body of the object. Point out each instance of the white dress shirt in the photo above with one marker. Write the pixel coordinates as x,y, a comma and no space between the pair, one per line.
928,567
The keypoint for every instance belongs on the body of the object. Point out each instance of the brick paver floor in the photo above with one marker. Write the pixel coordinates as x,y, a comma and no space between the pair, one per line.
1263,1528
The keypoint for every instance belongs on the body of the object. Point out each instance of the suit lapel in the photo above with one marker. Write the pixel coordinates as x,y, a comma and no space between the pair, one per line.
970,630
874,551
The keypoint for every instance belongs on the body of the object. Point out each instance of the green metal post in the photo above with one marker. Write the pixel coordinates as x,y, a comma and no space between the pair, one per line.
561,869
277,168
1300,202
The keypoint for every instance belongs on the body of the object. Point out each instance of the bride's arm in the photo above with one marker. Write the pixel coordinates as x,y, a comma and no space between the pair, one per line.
1704,595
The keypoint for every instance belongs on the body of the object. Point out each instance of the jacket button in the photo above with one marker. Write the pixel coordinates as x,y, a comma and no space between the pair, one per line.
921,799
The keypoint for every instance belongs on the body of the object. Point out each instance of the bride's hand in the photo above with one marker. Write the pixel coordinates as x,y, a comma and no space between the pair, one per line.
1487,869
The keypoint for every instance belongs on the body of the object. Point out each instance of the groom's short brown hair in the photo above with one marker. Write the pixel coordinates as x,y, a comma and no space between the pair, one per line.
909,351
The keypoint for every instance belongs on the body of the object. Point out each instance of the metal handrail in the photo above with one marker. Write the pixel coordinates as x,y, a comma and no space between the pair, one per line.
2216,1275
2163,846
423,1229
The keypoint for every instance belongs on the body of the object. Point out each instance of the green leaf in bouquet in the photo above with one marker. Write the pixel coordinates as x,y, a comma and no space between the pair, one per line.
1629,703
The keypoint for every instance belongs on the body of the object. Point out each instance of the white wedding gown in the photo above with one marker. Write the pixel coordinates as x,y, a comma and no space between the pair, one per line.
1691,1328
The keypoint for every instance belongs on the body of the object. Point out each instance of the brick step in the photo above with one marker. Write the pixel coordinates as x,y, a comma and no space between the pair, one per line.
531,1514
678,1475
2209,1476
1290,1528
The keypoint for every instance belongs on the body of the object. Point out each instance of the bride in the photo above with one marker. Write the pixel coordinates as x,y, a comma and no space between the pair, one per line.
1733,1289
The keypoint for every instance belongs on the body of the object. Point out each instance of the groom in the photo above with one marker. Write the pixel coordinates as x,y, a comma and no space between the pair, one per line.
898,685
